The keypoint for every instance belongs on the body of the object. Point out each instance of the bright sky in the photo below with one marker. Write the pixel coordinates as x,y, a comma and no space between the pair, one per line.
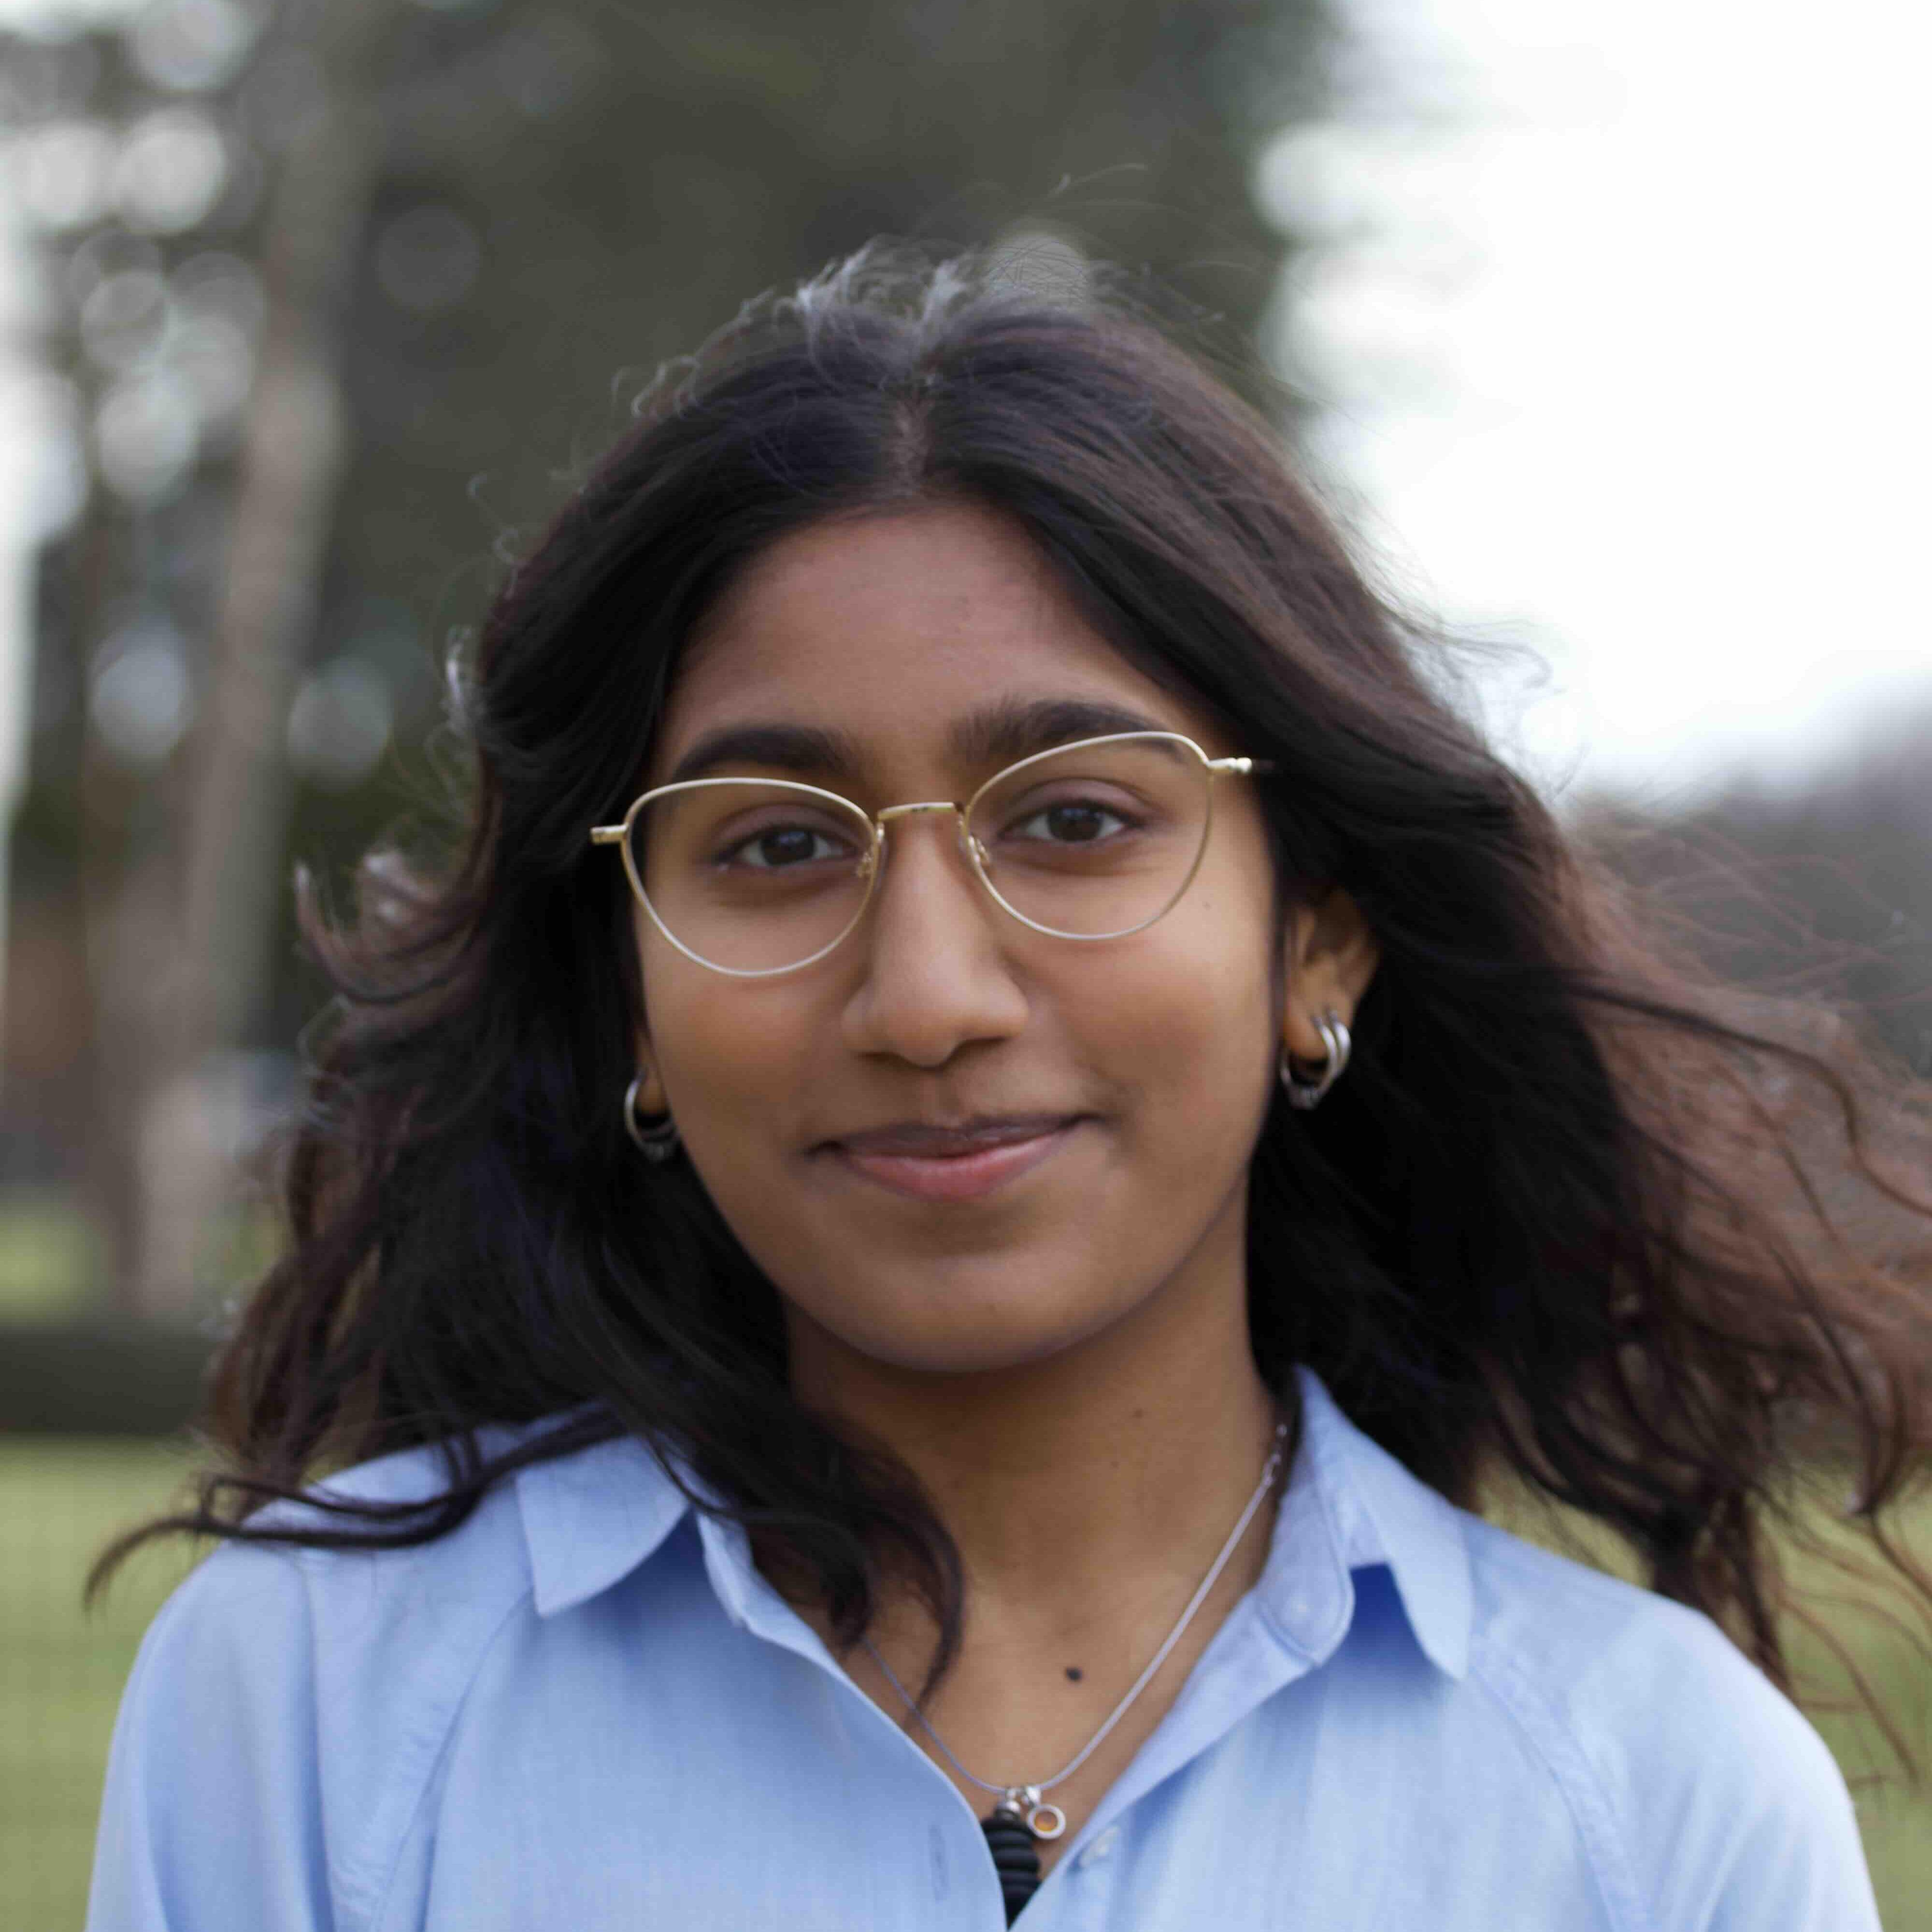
1629,353
1627,350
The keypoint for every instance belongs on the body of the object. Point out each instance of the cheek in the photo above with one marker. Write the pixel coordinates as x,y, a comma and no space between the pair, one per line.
1194,1029
724,1049
1182,1020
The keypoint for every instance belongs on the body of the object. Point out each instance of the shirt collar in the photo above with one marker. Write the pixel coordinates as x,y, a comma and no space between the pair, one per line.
591,1518
1350,1505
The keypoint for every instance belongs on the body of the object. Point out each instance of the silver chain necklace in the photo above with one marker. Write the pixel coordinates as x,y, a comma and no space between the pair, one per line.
1021,1811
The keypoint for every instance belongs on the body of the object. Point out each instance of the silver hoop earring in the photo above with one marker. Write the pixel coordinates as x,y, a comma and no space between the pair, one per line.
1307,1093
657,1142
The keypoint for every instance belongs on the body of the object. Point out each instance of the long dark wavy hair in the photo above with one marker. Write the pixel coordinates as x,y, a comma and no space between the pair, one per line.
1575,1212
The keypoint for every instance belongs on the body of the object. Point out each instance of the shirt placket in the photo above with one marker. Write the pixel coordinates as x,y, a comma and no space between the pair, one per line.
963,1891
1291,1620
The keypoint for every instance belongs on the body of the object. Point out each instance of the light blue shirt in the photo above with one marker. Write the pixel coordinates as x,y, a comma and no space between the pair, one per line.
586,1711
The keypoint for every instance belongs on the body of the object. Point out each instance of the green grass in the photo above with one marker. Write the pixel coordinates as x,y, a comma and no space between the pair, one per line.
53,1260
61,1672
61,1675
1863,1618
50,1258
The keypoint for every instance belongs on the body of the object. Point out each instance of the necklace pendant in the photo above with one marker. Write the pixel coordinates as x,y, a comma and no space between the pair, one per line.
1010,1838
1045,1821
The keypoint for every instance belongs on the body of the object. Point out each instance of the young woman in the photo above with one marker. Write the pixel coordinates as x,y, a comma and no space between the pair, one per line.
904,1271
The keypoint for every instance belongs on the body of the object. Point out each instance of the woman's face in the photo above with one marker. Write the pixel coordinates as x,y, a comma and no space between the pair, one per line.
1115,1089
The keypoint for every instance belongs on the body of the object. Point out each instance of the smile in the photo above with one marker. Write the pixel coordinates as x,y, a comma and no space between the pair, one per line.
962,1163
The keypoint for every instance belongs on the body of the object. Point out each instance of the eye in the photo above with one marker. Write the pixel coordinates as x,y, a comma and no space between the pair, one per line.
779,848
1071,822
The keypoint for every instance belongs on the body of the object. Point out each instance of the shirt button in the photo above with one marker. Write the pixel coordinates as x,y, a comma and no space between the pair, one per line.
1102,1847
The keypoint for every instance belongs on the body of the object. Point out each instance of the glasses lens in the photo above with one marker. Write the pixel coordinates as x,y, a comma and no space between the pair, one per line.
1098,839
752,876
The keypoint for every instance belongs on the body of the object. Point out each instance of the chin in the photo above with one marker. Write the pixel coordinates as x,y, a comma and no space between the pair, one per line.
980,1354
963,1331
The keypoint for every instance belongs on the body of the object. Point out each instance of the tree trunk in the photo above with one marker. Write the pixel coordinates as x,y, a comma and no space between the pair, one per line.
293,451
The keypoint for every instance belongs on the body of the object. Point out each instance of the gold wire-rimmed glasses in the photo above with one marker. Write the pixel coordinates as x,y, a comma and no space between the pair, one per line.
1093,840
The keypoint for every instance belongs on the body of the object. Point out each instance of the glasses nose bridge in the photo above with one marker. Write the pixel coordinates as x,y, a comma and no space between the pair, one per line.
970,849
890,812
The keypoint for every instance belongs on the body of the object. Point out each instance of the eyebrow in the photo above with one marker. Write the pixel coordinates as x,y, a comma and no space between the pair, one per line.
997,735
1004,733
804,750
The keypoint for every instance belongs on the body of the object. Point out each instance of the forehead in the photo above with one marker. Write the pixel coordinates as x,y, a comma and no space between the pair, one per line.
890,630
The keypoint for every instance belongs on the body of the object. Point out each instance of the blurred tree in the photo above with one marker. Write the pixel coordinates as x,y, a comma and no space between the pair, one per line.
1821,890
340,295
1818,893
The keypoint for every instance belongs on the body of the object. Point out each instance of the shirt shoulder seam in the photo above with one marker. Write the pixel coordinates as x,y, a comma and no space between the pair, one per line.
1549,1739
381,1897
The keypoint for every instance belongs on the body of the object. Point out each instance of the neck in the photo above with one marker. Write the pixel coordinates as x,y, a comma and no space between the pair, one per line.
1063,1482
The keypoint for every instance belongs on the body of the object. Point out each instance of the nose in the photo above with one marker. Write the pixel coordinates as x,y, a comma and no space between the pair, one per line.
936,976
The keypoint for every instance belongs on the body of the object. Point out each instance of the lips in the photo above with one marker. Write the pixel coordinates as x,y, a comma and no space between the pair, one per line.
932,1161
923,1140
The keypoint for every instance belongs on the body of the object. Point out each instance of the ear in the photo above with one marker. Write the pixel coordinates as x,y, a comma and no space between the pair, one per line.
1329,956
